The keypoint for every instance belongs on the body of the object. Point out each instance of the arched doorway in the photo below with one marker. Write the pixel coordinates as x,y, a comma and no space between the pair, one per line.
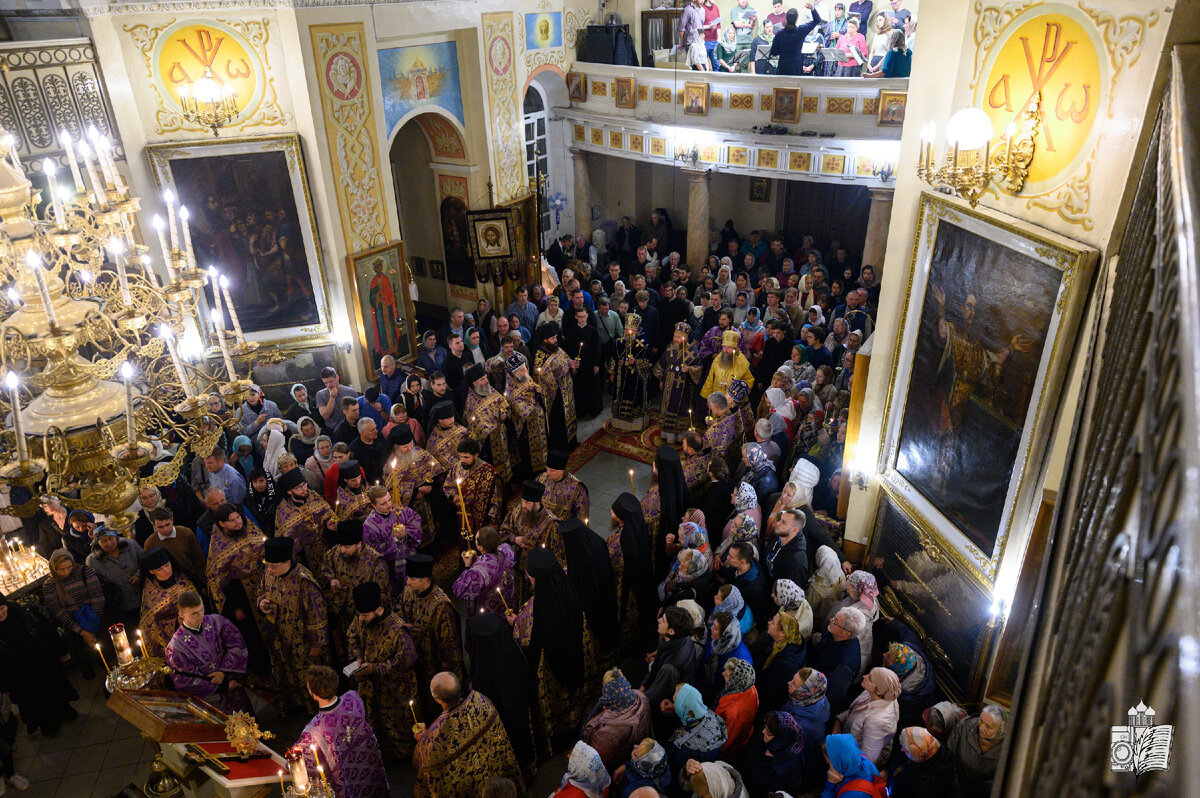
546,142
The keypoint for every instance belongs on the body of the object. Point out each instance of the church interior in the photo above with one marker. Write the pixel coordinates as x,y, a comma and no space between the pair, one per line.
332,327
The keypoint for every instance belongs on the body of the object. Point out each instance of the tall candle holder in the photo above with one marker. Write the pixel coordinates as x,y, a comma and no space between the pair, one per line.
120,642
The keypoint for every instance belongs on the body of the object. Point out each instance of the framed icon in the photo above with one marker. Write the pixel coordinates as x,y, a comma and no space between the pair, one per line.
786,106
695,99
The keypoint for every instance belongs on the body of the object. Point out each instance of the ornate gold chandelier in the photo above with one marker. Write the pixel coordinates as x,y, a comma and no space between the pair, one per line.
90,341
972,165
208,103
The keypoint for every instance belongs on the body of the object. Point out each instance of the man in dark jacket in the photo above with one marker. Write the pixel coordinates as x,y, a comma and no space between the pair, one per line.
626,241
788,42
742,570
836,654
787,555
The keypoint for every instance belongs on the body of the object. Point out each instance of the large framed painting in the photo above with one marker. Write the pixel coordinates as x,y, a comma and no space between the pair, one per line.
383,306
252,217
993,305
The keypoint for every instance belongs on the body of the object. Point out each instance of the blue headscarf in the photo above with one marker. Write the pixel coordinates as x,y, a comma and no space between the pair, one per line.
689,706
756,325
846,758
617,695
245,463
586,771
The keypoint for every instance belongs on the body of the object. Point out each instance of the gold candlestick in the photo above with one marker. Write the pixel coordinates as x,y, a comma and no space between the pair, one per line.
463,503
503,600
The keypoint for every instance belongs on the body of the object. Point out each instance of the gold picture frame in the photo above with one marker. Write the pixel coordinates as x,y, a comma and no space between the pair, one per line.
625,94
760,189
385,318
785,105
695,98
892,106
577,87
998,436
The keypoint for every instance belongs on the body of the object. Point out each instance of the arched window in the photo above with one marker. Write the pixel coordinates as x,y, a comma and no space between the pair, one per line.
537,158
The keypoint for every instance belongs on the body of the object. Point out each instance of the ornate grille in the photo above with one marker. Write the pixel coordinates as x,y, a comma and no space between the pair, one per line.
1125,628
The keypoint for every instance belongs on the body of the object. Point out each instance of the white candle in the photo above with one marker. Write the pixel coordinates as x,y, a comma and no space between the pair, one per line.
10,141
64,138
214,279
101,145
165,333
105,147
219,327
148,270
34,261
184,215
130,425
237,327
85,151
49,168
116,250
160,227
14,398
169,199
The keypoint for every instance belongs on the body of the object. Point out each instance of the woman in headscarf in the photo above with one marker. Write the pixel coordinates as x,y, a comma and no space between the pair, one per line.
590,573
261,499
754,334
741,304
729,599
630,553
740,529
303,444
693,579
586,776
496,668
782,408
850,774
31,670
926,771
789,597
647,767
701,732
827,582
808,704
322,456
723,644
760,472
713,780
664,503
745,501
737,704
862,593
618,722
942,717
974,745
244,457
690,535
272,442
916,680
872,716
74,598
554,635
779,763
780,657
163,584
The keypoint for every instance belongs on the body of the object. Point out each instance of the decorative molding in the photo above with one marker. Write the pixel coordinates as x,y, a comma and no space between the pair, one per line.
716,100
839,105
452,186
641,92
599,88
810,104
661,94
256,33
508,162
766,102
870,106
741,101
574,21
345,81
443,137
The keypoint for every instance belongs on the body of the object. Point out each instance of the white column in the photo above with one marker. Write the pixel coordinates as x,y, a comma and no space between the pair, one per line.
698,224
875,244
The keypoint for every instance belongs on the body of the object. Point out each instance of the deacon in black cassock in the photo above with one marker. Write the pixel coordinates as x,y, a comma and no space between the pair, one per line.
581,341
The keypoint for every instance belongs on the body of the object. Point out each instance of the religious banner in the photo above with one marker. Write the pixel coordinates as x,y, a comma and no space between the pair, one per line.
508,151
382,303
978,369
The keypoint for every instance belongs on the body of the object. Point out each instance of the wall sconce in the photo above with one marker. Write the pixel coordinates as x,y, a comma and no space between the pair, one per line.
886,172
687,156
971,166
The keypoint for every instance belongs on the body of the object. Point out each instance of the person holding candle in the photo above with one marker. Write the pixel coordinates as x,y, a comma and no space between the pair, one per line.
443,433
74,598
304,516
409,475
297,619
486,411
628,371
528,416
556,383
488,583
31,670
347,565
465,747
474,489
581,342
679,370
351,501
209,656
565,496
723,434
234,576
385,680
431,618
393,531
530,526
116,562
340,741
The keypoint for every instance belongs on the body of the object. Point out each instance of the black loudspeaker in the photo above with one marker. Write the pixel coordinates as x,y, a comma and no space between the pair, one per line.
598,44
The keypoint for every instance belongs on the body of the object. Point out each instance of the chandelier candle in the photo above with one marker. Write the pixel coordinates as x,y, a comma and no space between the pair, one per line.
169,199
161,228
130,426
14,397
86,152
64,138
148,270
34,261
116,250
219,328
184,215
165,333
237,325
49,168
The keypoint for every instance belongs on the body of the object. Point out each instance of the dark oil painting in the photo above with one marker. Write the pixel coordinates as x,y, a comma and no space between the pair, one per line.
246,222
983,327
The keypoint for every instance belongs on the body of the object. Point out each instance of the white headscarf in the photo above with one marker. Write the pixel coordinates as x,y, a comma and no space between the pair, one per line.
586,771
806,476
721,783
829,568
820,314
273,451
781,404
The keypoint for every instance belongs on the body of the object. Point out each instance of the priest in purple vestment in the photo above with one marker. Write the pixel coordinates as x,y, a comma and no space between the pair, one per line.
344,741
393,532
208,656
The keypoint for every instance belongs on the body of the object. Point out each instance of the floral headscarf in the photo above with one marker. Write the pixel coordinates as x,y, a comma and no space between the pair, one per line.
904,659
617,695
696,517
754,325
585,770
652,764
756,459
692,536
788,595
731,637
696,567
791,634
918,744
789,742
886,683
861,584
745,499
745,529
734,603
813,689
741,676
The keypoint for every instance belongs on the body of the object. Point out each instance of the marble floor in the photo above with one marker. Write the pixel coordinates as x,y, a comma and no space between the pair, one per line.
100,755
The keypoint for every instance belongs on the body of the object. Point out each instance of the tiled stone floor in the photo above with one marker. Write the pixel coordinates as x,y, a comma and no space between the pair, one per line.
99,754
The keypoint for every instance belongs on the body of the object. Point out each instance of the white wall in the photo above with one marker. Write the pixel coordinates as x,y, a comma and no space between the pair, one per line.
420,221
